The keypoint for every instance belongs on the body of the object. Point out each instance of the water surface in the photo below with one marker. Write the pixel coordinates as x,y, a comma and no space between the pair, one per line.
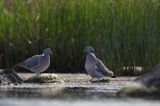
77,90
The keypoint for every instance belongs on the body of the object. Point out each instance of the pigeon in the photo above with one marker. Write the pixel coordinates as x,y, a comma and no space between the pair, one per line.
95,67
37,63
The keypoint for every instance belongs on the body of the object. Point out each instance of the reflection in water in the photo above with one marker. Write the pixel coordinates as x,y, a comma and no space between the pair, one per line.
55,92
30,92
71,90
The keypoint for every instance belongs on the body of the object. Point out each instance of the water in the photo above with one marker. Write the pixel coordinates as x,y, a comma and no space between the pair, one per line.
76,91
42,102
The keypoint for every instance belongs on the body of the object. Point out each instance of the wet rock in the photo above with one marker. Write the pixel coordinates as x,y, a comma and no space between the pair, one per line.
135,91
151,79
9,76
148,84
45,78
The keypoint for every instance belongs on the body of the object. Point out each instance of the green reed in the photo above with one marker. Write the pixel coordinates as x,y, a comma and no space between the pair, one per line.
123,32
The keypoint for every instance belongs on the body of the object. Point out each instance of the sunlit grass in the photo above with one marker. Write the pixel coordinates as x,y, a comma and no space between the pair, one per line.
123,32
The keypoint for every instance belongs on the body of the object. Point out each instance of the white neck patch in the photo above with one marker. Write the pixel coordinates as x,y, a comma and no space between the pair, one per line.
43,54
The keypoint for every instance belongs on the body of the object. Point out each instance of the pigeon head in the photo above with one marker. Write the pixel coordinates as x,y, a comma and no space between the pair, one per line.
47,51
89,49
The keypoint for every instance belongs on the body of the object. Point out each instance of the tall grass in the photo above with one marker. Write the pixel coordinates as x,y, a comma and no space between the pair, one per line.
123,32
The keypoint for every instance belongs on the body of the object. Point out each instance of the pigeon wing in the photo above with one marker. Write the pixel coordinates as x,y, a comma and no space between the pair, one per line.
31,62
101,68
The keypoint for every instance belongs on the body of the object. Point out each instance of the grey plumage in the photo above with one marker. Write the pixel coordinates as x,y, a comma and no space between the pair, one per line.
37,63
95,67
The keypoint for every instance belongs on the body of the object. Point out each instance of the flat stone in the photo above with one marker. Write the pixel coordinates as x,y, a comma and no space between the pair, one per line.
103,80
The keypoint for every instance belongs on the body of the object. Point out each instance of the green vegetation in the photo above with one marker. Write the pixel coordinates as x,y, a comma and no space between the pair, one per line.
123,32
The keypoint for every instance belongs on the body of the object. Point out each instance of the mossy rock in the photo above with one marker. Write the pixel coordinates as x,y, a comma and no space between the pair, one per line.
140,91
45,78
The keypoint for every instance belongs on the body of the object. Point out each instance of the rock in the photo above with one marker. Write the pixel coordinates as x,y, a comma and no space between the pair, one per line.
134,91
148,85
9,76
151,79
45,78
